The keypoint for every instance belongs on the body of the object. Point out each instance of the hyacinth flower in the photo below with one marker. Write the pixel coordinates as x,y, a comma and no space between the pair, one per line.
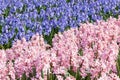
89,52
24,18
7,71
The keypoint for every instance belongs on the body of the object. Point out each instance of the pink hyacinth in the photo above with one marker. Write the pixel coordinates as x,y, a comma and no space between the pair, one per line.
98,43
3,67
70,78
25,54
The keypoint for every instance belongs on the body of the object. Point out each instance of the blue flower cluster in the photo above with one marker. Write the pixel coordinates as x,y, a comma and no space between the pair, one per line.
23,18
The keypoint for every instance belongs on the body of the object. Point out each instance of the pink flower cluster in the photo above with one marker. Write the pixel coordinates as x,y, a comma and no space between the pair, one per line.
91,49
3,67
27,55
99,45
7,71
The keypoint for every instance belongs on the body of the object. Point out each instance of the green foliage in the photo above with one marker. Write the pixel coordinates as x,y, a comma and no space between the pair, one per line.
0,29
41,7
80,52
51,76
6,12
24,8
24,77
67,28
49,37
75,74
118,64
67,1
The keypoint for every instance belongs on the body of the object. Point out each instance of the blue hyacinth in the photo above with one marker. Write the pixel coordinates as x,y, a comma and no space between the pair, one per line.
24,18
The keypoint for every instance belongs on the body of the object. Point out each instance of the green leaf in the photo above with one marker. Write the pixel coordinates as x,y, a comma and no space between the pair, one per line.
49,37
44,7
88,77
24,77
16,30
67,1
1,47
42,75
33,73
38,9
67,28
118,64
6,12
0,29
23,8
72,72
78,76
80,52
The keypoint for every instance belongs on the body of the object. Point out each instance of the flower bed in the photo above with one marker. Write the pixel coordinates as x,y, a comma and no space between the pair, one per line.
24,18
90,52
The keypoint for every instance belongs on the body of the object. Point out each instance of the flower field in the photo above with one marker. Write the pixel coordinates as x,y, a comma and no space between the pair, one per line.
59,39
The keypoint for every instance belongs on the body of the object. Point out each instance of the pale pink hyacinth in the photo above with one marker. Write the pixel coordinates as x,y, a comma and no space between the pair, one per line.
65,46
40,78
11,70
42,64
60,77
3,67
103,45
117,22
98,42
70,78
101,49
7,71
111,76
26,54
